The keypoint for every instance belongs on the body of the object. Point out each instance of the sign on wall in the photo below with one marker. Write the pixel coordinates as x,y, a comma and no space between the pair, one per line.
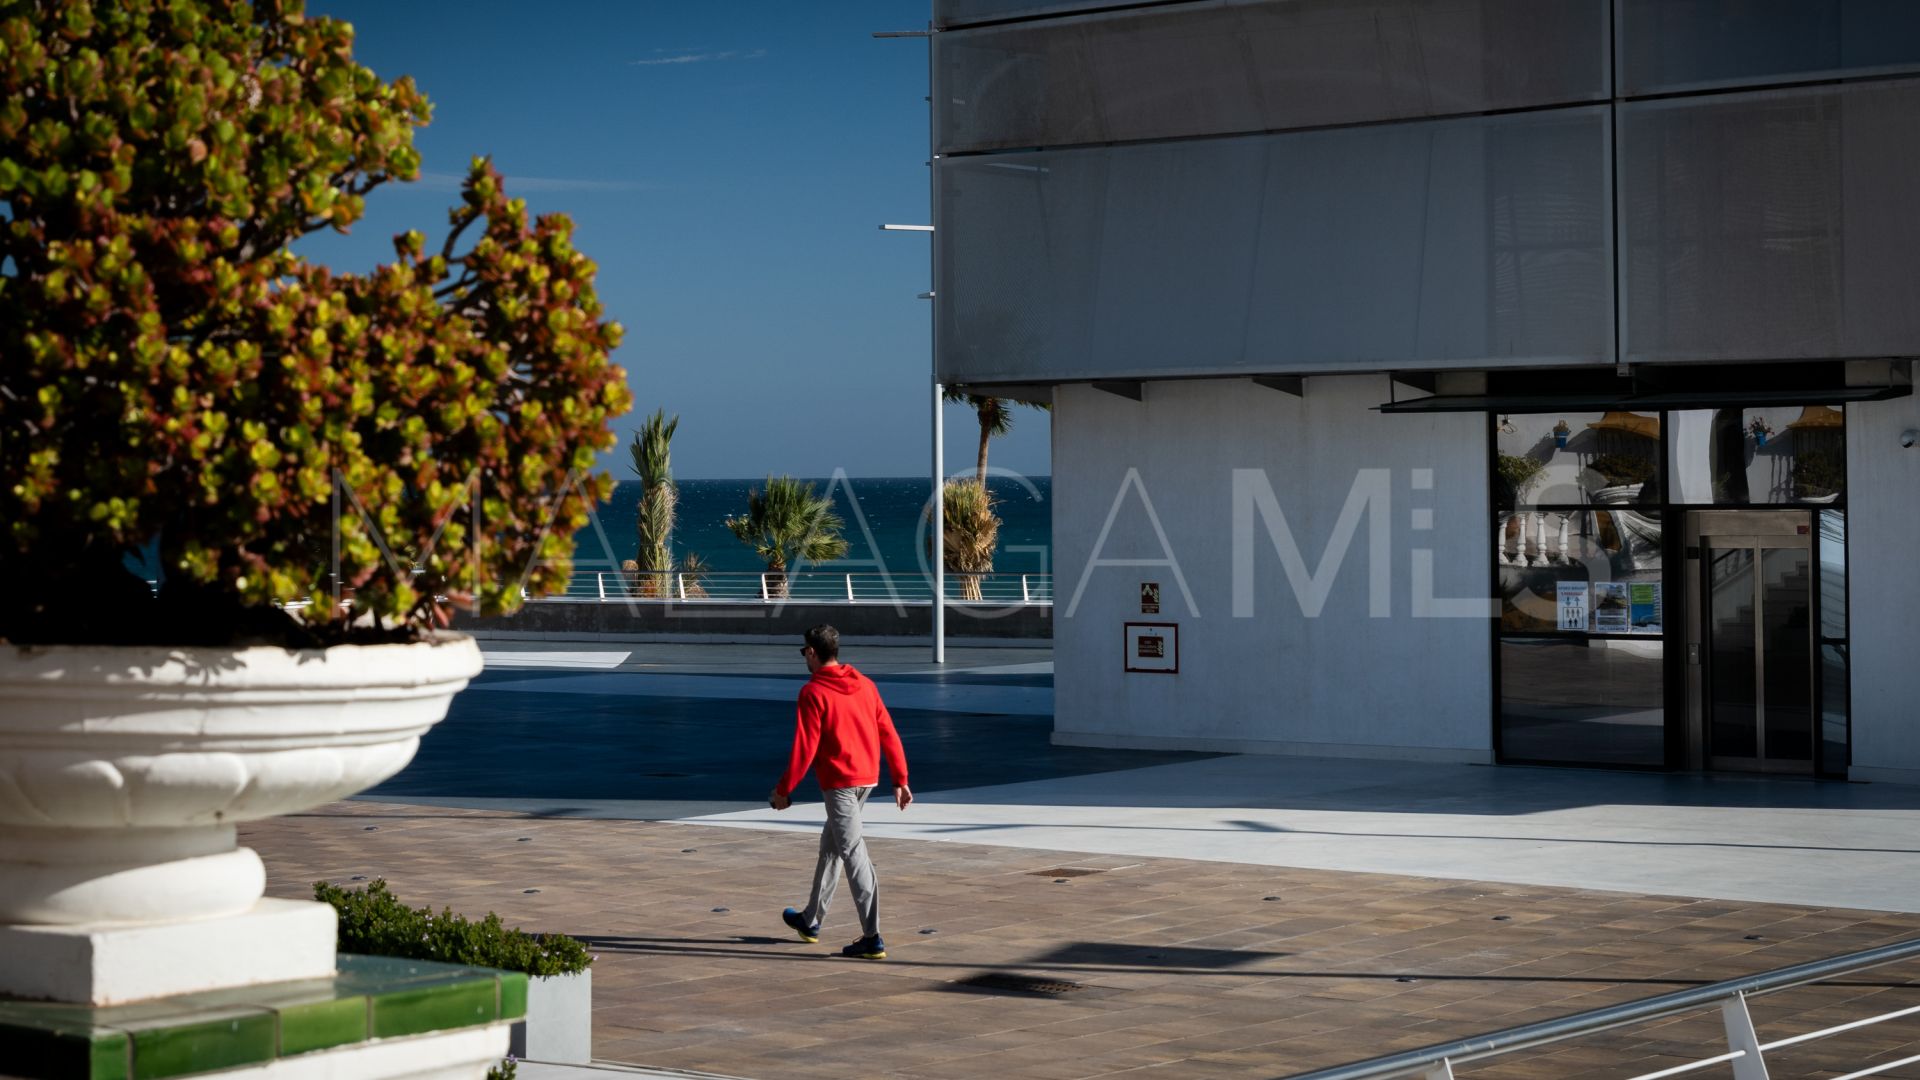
1149,598
1573,604
1153,647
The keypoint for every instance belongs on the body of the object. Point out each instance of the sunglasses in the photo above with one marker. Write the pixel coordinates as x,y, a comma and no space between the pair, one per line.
805,649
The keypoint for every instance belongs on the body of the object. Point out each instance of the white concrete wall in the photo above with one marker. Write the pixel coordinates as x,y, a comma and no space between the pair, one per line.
1344,683
1883,580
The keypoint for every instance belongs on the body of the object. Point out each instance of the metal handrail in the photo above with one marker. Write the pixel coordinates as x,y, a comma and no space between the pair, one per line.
1005,588
1439,1059
1000,589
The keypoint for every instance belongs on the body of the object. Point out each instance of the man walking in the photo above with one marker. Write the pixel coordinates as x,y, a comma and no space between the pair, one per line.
843,730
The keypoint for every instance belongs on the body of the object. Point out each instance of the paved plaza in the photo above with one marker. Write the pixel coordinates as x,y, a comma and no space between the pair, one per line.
1063,912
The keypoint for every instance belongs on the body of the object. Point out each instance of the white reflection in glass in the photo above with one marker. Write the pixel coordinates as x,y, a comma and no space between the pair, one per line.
1791,454
1605,459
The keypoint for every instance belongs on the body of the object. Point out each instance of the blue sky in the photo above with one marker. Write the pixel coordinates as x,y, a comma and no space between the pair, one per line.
727,164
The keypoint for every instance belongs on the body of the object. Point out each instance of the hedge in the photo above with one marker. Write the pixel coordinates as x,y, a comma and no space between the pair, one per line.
373,922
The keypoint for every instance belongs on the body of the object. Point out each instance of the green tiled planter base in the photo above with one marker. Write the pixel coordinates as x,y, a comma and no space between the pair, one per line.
371,998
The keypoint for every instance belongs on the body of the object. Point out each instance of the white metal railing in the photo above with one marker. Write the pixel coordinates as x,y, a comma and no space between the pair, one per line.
1000,589
1745,1052
801,586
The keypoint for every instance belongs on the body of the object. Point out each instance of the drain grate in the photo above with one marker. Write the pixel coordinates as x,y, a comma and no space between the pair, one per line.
1000,982
1065,871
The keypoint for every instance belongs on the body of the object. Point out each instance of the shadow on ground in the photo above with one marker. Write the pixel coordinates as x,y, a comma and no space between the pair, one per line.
523,745
692,756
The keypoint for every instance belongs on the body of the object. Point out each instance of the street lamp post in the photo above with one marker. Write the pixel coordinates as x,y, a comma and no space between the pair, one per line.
939,474
933,353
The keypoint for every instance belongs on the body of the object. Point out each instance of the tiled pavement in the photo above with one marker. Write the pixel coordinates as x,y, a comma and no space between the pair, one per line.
1188,968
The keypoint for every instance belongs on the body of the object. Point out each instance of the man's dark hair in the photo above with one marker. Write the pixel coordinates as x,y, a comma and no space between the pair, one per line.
824,640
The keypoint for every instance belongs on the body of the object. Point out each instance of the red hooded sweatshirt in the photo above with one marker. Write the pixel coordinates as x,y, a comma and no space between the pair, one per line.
842,731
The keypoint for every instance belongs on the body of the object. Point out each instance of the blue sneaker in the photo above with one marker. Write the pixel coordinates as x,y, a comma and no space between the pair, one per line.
807,933
867,948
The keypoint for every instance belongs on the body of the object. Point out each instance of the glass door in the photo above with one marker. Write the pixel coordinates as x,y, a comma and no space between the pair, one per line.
1757,638
1732,634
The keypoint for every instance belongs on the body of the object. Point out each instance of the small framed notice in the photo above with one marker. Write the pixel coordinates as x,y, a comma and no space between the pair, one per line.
1153,647
1149,598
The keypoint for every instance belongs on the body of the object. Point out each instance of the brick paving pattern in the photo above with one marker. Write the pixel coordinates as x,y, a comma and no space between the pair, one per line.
1184,968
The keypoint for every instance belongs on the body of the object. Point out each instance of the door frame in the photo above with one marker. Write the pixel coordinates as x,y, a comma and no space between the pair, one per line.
1789,528
1684,742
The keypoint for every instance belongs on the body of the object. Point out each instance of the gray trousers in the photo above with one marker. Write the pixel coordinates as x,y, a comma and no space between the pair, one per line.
841,845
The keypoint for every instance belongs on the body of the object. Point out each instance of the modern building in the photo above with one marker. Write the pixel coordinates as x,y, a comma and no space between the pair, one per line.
1475,380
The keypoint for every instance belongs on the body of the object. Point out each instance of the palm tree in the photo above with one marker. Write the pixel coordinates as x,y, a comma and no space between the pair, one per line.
692,575
972,530
787,526
996,418
972,527
653,462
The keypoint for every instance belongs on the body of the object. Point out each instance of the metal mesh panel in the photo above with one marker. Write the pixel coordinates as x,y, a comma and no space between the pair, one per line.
1773,225
1262,65
961,12
1479,240
1670,45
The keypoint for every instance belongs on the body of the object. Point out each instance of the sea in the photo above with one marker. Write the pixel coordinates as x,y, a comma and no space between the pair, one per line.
886,526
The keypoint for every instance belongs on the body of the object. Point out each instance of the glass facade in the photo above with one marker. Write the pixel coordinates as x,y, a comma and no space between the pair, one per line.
1576,459
1743,457
1579,547
948,13
1833,674
1601,605
1593,701
1770,225
1676,45
1417,245
1135,190
1160,72
1544,553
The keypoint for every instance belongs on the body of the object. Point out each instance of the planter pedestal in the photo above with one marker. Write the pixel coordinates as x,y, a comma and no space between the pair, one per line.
123,772
113,963
378,1019
559,1022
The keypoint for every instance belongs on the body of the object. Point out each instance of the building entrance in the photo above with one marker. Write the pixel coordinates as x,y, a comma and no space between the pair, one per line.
1751,642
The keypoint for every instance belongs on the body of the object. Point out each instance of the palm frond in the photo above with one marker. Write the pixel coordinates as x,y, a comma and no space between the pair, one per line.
787,525
972,531
652,450
693,571
995,417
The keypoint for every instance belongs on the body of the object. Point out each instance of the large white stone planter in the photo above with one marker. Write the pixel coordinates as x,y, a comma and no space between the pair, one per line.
559,1022
1616,495
123,771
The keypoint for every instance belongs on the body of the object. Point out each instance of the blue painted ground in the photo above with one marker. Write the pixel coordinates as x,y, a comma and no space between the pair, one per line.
637,745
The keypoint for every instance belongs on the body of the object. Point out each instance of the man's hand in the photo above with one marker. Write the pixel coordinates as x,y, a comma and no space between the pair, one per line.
779,801
902,796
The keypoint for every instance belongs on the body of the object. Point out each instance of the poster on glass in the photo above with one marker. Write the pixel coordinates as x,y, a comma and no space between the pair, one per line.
1610,608
1644,605
1573,604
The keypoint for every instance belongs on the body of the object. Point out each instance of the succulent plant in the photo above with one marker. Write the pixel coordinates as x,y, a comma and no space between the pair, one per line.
175,379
